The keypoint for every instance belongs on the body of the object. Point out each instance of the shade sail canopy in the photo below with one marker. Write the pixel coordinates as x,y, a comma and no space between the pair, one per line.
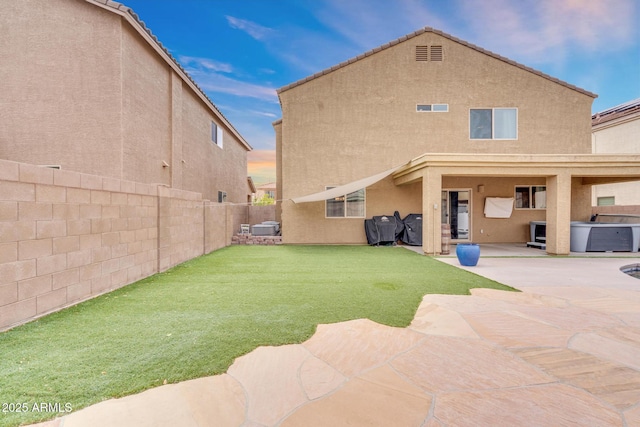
346,188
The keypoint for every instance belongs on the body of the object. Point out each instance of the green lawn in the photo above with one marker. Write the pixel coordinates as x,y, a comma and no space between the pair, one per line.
195,319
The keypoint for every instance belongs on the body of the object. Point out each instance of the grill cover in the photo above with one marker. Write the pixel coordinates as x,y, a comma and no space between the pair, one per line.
412,233
381,230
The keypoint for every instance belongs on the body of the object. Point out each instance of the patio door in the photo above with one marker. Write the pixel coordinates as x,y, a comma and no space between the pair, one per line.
456,211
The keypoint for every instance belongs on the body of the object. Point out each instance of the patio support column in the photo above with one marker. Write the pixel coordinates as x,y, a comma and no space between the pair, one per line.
431,211
559,213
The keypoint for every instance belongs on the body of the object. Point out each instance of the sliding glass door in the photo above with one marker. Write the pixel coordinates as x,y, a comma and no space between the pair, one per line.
456,211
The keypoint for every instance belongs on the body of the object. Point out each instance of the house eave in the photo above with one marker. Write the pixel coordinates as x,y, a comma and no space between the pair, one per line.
614,166
132,18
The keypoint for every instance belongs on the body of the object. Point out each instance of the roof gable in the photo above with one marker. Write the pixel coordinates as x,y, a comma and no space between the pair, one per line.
445,35
130,16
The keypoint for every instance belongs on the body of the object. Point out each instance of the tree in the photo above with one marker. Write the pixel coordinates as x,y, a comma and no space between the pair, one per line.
264,201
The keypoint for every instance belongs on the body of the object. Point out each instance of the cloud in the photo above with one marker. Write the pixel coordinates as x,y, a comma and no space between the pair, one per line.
545,31
530,31
256,31
591,24
370,23
204,64
264,113
212,81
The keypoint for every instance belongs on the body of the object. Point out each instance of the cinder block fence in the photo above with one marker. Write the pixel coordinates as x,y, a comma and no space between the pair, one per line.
66,237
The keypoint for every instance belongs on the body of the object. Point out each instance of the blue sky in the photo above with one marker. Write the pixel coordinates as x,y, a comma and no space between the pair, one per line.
240,51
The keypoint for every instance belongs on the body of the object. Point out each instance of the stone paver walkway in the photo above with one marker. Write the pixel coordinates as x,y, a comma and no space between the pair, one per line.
564,352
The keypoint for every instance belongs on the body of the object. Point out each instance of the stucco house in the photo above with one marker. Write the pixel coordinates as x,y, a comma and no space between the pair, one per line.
267,189
617,130
85,86
431,124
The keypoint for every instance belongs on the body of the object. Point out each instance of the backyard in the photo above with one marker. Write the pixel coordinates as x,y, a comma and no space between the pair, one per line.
195,319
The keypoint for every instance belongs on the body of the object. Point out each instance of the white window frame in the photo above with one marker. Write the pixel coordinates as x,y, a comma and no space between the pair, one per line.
531,197
601,199
345,216
493,124
222,196
216,134
431,108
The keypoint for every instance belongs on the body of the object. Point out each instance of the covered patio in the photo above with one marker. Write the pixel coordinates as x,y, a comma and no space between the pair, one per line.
568,180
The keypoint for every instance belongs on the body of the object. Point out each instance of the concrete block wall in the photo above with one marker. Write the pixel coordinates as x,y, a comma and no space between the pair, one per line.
181,226
217,219
66,237
259,214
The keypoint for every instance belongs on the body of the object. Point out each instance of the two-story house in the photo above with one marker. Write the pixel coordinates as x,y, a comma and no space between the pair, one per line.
431,124
85,86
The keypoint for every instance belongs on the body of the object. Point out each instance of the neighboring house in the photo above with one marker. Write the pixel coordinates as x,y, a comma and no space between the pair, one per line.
268,189
252,190
617,130
85,86
479,127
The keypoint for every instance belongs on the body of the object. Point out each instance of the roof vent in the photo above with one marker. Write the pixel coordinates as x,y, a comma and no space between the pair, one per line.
435,53
422,53
429,53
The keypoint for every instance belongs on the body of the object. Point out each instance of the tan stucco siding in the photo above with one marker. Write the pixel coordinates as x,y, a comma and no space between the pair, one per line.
361,119
277,127
364,114
307,222
60,85
231,169
302,222
146,110
207,167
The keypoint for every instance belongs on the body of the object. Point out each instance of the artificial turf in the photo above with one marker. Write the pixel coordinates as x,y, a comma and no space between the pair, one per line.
196,318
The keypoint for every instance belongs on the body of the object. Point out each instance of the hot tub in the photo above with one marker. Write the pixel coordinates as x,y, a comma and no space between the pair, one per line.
604,237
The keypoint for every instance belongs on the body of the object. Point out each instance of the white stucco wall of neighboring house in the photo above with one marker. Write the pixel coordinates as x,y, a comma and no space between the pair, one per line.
617,132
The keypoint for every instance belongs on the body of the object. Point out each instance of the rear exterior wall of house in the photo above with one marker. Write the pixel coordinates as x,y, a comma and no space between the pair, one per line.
362,118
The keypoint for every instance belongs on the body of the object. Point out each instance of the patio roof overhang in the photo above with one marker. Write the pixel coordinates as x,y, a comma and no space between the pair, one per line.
592,168
560,172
